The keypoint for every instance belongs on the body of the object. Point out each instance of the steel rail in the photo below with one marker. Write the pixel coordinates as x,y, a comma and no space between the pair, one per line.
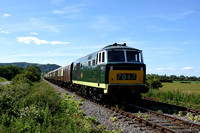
191,124
141,120
197,111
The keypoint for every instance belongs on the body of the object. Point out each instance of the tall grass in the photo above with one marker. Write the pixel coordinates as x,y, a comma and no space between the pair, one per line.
176,97
38,108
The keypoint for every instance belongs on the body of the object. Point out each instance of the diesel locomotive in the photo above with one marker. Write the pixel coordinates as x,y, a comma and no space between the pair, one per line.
113,70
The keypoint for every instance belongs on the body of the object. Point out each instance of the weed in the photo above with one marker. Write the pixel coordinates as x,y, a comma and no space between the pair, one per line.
117,106
117,124
197,118
139,114
160,111
180,113
113,119
146,117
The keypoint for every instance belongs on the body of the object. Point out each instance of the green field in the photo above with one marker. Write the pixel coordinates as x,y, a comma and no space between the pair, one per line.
182,94
193,87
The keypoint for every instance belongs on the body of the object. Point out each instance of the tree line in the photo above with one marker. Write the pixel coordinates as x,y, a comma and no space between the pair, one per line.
11,72
165,78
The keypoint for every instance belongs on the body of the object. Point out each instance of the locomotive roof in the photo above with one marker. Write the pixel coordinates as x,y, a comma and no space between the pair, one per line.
109,47
118,46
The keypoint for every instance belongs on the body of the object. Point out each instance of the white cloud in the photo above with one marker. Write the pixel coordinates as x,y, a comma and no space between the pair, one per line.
104,23
187,68
2,31
165,69
5,32
35,40
189,42
69,9
34,33
161,29
174,16
6,15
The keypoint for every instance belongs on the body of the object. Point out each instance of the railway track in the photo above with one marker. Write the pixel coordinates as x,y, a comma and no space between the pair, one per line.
154,101
159,121
162,123
151,121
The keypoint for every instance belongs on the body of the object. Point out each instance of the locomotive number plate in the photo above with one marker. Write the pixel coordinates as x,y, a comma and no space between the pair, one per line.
126,76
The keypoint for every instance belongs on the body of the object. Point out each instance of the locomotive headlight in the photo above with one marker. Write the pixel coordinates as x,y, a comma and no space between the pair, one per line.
141,68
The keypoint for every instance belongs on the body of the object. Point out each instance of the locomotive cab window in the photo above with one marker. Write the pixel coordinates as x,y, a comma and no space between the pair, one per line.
133,56
116,56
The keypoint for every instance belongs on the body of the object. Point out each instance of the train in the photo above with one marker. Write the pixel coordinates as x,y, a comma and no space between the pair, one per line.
115,70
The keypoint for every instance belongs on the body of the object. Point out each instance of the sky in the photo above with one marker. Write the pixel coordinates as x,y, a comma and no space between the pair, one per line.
61,31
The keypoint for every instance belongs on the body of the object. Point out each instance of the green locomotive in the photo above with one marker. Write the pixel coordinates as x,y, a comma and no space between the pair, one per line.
115,70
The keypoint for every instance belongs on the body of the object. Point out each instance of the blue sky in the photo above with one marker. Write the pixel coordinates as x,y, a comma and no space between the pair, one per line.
60,31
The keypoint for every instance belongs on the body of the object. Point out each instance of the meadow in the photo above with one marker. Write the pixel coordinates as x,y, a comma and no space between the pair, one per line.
192,87
177,93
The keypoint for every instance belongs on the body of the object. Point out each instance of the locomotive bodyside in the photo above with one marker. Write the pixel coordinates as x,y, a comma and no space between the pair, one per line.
115,69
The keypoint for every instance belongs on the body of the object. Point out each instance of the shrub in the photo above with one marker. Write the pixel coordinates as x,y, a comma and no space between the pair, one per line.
152,82
21,78
32,73
2,79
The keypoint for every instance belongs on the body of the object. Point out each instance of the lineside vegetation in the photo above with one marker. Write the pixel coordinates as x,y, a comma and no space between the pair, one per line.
3,79
183,93
27,106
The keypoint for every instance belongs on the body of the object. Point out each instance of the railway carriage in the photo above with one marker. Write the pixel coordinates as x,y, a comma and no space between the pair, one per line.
115,70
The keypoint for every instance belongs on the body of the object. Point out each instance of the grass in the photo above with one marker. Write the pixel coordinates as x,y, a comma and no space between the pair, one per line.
3,79
182,94
38,108
193,87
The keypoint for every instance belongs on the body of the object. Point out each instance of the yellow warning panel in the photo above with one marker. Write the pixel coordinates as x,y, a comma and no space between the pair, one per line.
126,77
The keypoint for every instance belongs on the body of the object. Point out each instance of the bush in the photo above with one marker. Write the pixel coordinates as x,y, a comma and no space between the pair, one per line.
2,79
21,78
152,82
32,73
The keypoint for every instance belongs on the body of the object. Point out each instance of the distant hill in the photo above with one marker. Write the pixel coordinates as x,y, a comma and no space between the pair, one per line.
43,67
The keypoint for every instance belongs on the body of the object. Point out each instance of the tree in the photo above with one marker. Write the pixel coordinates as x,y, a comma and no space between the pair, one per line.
32,73
152,82
9,71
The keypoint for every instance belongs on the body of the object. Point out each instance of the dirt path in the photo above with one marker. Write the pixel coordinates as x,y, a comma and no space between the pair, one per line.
4,83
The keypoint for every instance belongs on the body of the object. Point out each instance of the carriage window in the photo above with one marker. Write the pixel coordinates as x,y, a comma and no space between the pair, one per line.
103,57
133,56
116,56
93,62
99,57
89,63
